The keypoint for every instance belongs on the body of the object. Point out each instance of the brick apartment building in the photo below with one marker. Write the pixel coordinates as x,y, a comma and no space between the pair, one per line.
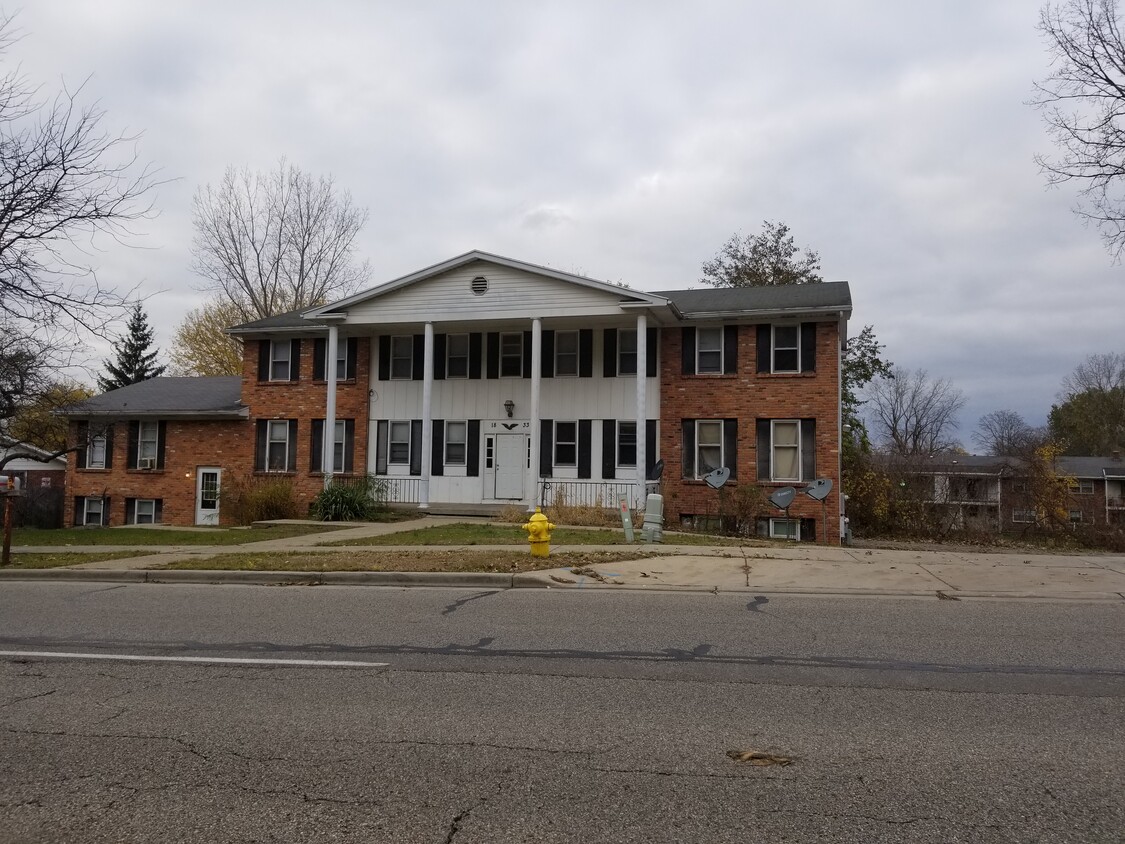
484,381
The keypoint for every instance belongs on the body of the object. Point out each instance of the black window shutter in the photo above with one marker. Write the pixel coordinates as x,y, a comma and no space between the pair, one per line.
161,441
586,353
527,354
474,355
109,446
492,354
437,448
650,446
384,358
808,530
439,357
472,448
134,444
687,351
763,340
652,349
382,429
320,355
609,446
609,354
349,445
79,510
294,360
415,446
730,349
546,446
292,446
316,445
130,511
808,347
547,369
418,358
730,446
82,436
808,449
763,448
688,437
353,358
105,511
260,446
263,360
585,436
158,511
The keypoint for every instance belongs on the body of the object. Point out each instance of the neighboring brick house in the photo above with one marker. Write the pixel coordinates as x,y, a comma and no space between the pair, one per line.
484,380
42,483
1096,492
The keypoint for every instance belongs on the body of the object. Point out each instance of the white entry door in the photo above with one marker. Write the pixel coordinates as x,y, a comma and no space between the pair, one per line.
511,465
207,495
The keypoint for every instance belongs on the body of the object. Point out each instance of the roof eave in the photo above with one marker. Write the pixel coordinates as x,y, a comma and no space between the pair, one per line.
834,312
240,413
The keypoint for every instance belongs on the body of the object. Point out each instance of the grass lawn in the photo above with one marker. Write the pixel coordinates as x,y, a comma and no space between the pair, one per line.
449,561
482,534
52,561
162,536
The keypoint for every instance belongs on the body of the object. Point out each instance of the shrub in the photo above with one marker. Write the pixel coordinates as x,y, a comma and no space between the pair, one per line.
258,498
353,500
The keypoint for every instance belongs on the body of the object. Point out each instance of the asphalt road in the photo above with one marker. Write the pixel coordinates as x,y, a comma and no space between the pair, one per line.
539,716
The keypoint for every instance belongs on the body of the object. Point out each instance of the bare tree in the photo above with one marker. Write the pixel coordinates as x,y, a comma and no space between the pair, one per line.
1083,105
914,414
1097,372
1004,433
273,242
64,181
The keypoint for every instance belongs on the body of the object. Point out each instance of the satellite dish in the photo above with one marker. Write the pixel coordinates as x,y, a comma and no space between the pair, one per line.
717,478
782,498
656,472
819,489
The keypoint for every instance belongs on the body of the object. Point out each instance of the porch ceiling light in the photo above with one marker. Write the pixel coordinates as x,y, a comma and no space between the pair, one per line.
510,407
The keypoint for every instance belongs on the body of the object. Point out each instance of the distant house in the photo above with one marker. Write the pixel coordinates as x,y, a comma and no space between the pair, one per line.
42,482
484,381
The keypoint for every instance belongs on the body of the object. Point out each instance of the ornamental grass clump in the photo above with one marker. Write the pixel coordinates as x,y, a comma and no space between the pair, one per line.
255,499
357,500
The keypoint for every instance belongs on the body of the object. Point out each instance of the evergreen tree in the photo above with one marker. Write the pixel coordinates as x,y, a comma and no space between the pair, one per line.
135,361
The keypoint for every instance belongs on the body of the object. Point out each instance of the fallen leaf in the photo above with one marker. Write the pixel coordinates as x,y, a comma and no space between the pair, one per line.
560,579
759,758
942,596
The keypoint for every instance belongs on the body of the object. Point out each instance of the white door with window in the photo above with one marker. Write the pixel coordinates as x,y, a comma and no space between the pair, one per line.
207,495
511,466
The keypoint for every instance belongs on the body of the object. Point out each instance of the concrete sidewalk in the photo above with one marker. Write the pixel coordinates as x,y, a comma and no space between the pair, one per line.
776,568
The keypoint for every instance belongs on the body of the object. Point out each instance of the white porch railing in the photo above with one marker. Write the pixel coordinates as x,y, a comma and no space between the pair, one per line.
606,494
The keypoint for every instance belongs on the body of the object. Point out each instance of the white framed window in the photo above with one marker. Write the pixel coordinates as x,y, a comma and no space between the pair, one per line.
708,350
398,450
566,443
93,511
281,360
402,357
95,454
148,442
627,352
457,356
708,446
511,354
1075,516
342,373
144,512
786,348
785,529
1023,517
566,353
1083,488
626,443
785,450
277,445
338,446
456,439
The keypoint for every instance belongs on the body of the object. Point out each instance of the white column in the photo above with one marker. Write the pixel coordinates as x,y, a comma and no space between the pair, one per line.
642,406
427,413
533,411
328,461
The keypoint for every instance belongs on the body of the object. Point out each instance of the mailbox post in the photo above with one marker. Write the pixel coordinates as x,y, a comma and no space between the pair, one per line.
9,490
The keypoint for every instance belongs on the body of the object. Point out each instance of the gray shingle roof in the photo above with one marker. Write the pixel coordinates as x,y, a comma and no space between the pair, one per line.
278,321
172,396
828,295
1091,467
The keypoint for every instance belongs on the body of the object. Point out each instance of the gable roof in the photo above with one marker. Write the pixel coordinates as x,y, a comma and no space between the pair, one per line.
203,397
775,299
8,445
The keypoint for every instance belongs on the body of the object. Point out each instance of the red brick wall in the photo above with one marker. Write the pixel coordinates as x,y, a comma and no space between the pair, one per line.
305,400
187,444
748,396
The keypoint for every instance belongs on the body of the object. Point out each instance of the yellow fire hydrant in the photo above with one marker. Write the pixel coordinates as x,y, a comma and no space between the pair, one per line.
539,534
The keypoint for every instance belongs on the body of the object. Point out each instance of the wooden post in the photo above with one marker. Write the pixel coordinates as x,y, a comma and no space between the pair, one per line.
6,559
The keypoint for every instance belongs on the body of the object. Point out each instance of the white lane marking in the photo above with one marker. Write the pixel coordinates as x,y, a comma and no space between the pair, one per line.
226,660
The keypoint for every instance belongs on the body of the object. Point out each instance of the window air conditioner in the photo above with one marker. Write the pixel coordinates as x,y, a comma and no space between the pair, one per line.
146,463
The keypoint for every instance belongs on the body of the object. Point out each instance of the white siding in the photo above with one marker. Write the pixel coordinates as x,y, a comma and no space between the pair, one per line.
512,294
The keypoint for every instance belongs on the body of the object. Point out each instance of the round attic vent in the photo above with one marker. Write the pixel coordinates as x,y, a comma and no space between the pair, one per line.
479,285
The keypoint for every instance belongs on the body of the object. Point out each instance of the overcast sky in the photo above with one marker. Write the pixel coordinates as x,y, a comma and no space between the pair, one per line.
627,141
